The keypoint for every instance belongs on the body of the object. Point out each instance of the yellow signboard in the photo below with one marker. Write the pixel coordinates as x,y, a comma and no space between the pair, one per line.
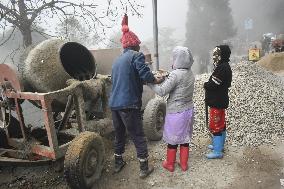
254,54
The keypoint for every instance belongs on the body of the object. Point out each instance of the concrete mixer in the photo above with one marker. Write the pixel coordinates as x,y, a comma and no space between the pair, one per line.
58,77
61,79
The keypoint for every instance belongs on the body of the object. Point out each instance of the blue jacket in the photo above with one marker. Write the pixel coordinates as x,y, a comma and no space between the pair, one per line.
129,72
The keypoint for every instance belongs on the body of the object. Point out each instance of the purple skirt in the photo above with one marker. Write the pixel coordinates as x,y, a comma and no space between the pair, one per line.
178,127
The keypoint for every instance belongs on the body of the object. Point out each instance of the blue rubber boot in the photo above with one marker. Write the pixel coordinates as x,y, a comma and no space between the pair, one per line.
224,133
217,148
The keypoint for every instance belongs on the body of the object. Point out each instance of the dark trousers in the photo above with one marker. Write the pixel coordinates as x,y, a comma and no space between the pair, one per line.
131,120
175,146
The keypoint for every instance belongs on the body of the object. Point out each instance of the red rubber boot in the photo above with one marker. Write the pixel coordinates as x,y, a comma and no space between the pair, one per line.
184,152
169,163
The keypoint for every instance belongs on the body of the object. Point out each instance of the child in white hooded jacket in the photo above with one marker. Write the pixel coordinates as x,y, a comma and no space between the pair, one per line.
179,85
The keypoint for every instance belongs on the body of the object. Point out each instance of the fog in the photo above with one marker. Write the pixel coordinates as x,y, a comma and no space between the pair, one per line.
267,16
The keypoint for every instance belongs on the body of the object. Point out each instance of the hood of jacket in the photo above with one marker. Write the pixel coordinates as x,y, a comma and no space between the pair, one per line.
182,58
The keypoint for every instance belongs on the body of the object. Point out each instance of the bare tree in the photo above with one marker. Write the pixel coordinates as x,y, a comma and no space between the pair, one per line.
72,30
25,14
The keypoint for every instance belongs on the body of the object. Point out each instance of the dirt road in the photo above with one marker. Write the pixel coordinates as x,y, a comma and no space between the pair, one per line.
241,168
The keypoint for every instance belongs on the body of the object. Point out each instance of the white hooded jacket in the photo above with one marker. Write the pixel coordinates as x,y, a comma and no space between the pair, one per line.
180,82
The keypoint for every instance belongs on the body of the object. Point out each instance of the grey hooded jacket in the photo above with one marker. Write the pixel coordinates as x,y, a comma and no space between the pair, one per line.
180,82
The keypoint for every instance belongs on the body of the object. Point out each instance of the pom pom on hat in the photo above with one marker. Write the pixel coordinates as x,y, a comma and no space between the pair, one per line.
125,29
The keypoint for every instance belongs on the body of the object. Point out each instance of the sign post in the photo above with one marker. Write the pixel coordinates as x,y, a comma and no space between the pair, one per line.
248,24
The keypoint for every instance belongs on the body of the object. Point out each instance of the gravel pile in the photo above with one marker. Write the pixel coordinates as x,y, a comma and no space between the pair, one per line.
273,62
256,112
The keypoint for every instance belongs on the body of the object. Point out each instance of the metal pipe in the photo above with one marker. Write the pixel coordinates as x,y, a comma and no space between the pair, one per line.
155,33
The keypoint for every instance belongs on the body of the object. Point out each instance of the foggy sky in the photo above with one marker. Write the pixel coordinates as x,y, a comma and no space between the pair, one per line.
267,16
173,14
170,14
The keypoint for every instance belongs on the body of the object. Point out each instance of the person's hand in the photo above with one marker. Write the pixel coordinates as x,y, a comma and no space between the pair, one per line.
158,80
161,73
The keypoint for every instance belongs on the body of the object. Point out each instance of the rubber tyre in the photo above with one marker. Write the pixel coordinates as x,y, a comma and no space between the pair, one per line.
84,160
154,119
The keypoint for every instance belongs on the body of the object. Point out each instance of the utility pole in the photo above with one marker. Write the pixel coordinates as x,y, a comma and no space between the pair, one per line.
155,34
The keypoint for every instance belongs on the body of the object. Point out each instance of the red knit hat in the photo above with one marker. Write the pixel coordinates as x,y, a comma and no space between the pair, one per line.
128,38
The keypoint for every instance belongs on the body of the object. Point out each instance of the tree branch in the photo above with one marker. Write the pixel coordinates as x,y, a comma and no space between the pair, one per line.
29,12
41,8
43,33
134,9
9,37
14,22
7,11
12,55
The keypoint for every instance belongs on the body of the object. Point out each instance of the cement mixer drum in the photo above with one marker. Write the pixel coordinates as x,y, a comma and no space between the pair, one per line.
51,63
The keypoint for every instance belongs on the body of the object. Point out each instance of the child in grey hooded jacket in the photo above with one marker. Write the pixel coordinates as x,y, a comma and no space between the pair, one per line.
179,85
